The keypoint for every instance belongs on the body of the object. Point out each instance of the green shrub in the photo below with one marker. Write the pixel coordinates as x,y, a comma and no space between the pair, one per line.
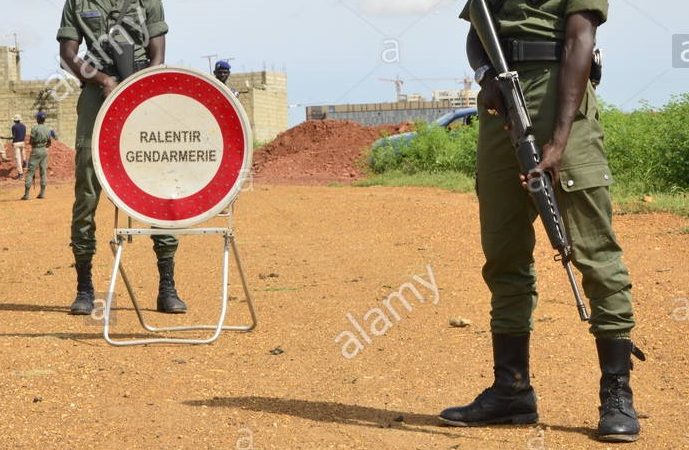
433,150
648,149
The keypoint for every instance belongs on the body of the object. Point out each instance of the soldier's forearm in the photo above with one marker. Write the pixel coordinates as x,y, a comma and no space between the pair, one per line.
574,73
156,50
84,71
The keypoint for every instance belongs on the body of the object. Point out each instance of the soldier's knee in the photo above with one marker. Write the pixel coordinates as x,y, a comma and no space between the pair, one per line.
601,281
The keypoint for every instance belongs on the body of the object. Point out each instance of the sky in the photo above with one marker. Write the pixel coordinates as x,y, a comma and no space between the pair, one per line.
338,51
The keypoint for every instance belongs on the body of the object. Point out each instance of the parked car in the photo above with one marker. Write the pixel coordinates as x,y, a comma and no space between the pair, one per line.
449,121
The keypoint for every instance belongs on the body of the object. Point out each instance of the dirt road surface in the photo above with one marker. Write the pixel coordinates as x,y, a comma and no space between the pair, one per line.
313,256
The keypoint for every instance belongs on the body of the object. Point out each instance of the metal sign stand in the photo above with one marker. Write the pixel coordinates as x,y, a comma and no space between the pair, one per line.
171,147
122,235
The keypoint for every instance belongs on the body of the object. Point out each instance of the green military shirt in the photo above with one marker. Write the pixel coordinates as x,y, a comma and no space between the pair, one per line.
91,20
584,163
40,135
538,19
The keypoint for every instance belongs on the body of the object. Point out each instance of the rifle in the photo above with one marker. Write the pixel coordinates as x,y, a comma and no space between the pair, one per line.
527,151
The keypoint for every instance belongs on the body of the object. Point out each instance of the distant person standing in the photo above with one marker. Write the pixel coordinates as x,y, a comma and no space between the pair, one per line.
222,72
40,141
18,137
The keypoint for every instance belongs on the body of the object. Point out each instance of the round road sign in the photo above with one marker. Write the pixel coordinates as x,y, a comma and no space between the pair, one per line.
172,147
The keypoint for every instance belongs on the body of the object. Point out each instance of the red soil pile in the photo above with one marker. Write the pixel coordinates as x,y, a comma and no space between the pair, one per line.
319,152
315,152
60,164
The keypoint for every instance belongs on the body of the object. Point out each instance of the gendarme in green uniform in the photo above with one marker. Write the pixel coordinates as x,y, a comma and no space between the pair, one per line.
506,211
40,135
532,33
91,20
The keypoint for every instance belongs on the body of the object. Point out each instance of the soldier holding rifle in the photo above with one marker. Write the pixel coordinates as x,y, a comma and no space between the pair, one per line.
121,37
549,44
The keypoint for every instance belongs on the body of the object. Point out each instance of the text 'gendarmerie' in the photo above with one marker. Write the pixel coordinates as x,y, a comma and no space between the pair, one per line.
193,156
171,137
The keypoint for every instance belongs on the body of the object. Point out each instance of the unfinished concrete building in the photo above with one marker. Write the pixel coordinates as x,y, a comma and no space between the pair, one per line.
408,108
263,96
25,98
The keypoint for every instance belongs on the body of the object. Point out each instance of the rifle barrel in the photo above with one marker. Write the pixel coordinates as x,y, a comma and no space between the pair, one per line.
488,34
581,306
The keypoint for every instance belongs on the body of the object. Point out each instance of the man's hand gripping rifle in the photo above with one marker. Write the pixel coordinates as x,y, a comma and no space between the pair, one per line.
527,151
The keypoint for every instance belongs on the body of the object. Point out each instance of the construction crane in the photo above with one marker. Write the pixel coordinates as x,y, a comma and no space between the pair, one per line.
467,81
399,83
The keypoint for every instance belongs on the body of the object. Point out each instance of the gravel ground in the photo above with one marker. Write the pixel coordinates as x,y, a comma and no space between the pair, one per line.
313,256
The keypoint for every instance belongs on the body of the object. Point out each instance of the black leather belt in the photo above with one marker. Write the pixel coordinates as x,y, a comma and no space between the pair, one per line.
517,50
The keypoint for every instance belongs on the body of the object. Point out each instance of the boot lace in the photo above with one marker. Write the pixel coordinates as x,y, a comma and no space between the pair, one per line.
614,397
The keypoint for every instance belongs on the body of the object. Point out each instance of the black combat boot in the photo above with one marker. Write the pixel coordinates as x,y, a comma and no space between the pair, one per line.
618,420
27,191
42,193
168,300
510,399
83,303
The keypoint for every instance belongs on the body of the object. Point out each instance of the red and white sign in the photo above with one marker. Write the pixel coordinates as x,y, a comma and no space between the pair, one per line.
172,147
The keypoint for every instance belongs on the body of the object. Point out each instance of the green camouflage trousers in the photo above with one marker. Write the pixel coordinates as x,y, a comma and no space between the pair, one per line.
38,159
507,214
87,189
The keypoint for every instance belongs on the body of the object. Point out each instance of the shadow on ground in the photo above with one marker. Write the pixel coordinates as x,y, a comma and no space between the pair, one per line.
365,416
330,412
74,336
23,307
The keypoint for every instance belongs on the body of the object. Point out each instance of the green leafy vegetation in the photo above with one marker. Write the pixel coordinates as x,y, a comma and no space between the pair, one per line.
433,150
648,149
648,152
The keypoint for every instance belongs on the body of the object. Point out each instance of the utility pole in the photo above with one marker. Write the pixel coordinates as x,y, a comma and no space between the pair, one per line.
210,61
17,55
16,44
